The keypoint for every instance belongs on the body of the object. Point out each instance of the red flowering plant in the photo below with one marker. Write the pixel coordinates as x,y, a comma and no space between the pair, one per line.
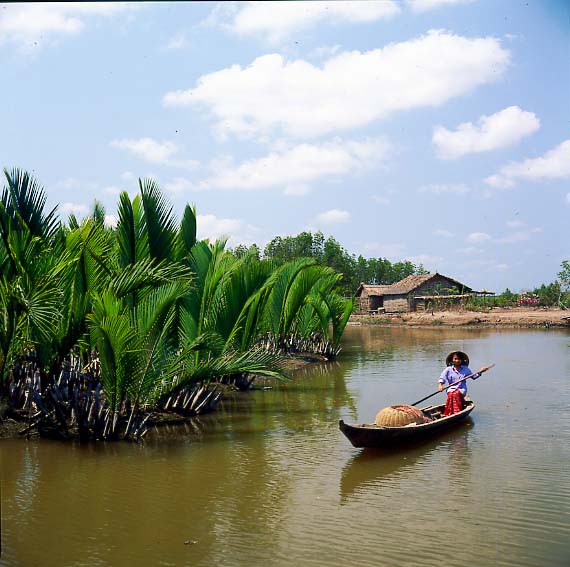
528,300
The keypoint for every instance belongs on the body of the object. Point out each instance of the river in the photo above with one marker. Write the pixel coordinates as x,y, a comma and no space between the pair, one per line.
269,480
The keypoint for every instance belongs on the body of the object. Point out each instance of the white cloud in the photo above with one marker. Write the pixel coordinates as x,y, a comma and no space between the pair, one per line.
31,25
515,224
380,200
296,190
325,51
334,216
154,152
111,221
179,185
426,260
419,6
443,232
305,100
391,250
297,166
112,190
75,209
502,267
475,237
469,250
445,189
127,176
518,236
499,130
554,164
212,228
178,41
275,21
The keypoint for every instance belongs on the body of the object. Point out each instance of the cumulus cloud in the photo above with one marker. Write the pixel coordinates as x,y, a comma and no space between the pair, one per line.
298,166
425,260
78,209
275,21
475,237
111,221
420,6
32,25
518,236
212,227
499,130
296,190
380,199
127,176
445,189
180,185
334,216
390,250
306,100
150,150
176,42
469,250
515,224
503,267
554,164
444,233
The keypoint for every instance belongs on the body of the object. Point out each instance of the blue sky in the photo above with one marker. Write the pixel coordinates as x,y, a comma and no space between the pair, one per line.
431,130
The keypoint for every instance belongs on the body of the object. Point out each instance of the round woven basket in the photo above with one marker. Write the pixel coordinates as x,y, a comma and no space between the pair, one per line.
399,416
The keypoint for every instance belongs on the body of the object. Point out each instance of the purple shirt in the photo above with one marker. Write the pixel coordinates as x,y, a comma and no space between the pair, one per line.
450,375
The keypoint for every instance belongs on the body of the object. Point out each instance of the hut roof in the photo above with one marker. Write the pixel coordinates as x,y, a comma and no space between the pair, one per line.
411,282
372,289
405,286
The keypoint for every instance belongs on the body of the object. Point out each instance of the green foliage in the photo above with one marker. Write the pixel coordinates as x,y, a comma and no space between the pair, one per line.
329,252
162,310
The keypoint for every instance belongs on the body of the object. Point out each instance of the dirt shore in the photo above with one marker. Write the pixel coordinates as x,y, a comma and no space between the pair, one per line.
493,317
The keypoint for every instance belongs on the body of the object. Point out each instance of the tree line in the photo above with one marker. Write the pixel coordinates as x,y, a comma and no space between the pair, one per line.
99,325
553,294
328,252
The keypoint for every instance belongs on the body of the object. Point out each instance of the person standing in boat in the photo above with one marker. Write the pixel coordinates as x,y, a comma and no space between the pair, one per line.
457,368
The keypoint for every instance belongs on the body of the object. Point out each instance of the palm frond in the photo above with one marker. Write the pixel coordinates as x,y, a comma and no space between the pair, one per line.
25,200
159,221
186,238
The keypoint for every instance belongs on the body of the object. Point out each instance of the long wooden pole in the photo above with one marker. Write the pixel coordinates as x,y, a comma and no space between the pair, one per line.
453,384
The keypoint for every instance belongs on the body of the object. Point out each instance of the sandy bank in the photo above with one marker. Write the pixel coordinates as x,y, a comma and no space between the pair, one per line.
498,316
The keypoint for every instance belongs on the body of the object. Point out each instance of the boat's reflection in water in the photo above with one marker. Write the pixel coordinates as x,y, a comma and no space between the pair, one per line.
371,468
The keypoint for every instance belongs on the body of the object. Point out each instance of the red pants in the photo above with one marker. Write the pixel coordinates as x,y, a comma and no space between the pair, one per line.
454,403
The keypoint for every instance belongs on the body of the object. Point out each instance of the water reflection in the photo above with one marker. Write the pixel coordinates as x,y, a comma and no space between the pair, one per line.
370,468
270,480
315,393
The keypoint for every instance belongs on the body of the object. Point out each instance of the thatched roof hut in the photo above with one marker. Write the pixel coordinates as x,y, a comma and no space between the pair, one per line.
413,293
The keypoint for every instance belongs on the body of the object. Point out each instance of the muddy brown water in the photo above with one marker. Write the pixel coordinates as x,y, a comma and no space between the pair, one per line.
270,481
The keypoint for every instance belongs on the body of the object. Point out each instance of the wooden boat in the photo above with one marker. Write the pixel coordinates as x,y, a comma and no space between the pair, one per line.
372,435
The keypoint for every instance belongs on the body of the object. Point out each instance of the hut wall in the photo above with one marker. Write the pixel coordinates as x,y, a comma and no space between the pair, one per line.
362,304
396,303
369,303
438,283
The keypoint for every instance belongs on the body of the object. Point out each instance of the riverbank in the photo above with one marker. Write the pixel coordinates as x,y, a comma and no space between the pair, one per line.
518,317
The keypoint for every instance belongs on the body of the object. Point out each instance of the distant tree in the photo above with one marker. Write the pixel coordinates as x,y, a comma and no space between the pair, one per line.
507,298
241,251
548,295
401,270
329,252
564,279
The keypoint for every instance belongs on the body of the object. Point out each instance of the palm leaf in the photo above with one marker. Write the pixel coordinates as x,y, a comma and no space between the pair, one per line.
25,201
159,222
